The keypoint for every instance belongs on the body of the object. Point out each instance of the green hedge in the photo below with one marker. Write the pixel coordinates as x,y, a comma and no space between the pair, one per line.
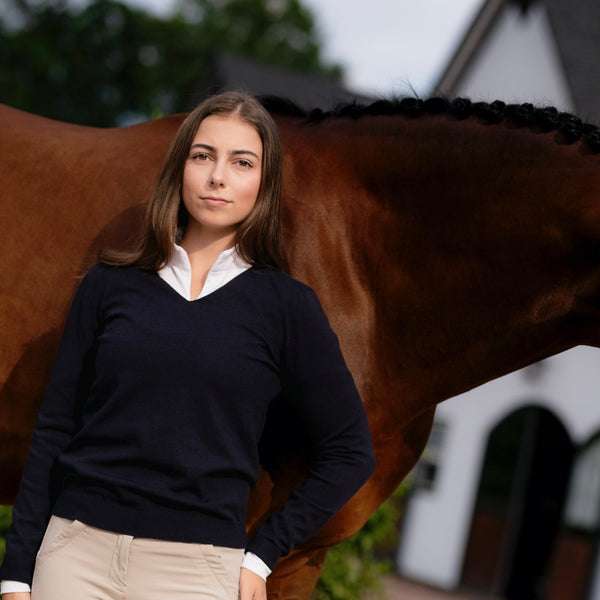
5,520
356,565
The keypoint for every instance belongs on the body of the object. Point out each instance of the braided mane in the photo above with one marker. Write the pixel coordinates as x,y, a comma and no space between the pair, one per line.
571,128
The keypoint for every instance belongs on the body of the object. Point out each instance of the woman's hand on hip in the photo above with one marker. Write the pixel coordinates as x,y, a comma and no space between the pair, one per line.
252,586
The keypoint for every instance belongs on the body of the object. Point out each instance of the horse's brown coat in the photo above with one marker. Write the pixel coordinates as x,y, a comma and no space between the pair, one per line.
445,253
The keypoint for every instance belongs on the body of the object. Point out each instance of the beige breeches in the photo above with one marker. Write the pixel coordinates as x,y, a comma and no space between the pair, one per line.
79,562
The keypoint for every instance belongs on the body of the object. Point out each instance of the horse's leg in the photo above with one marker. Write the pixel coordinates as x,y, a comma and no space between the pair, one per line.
296,575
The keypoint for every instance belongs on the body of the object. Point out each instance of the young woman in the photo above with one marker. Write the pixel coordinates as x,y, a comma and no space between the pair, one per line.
145,450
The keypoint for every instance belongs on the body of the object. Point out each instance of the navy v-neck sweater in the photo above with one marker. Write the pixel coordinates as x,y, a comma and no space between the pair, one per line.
151,420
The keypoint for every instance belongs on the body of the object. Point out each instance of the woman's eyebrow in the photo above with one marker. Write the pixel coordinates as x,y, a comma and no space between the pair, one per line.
232,152
204,146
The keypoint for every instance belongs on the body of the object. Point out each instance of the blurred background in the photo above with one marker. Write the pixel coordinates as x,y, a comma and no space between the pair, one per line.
108,62
505,502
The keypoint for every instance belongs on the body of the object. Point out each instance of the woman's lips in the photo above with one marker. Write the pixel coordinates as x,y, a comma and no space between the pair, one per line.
214,201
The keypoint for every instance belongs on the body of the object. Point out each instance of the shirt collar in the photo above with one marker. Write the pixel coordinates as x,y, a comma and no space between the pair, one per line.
178,272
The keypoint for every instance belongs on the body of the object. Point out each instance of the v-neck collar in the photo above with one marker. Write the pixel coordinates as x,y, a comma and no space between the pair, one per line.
178,273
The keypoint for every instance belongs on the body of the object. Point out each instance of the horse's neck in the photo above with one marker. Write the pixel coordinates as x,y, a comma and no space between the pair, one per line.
477,244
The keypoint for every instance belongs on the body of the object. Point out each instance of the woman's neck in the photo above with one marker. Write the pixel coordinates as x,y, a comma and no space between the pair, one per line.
201,244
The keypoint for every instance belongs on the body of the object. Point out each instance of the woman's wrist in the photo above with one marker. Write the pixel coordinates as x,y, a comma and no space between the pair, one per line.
13,587
254,563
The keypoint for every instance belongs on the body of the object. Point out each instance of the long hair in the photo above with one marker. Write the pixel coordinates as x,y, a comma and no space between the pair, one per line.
258,236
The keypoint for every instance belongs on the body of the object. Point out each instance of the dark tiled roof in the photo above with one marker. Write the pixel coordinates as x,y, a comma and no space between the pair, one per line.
576,29
306,90
576,26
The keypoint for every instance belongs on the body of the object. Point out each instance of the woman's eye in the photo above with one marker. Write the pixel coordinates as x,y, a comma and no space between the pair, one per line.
242,162
200,156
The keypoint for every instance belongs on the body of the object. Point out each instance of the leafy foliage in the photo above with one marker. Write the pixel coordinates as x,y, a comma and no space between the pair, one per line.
105,63
5,520
279,32
352,567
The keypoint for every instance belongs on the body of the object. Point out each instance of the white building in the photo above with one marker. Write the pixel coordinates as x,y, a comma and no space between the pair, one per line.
507,499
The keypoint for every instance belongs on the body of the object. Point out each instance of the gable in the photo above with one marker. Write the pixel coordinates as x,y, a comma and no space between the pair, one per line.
517,60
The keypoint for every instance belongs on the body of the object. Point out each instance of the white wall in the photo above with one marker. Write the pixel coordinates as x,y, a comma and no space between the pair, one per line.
518,62
437,526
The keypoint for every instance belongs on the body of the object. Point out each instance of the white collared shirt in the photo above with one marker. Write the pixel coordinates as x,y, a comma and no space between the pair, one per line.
178,273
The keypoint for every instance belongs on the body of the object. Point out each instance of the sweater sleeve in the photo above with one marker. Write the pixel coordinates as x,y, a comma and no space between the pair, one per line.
56,424
322,391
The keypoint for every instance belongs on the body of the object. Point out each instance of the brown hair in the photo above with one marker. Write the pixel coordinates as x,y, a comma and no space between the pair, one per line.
258,237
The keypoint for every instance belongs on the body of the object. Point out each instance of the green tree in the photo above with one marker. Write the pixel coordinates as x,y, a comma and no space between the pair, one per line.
279,32
105,63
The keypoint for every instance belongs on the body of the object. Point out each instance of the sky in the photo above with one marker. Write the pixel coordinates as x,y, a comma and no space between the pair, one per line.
392,46
387,47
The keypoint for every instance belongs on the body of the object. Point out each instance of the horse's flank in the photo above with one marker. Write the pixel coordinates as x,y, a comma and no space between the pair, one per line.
446,251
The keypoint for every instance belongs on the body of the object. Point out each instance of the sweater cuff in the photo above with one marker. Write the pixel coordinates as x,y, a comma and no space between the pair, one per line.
256,565
13,587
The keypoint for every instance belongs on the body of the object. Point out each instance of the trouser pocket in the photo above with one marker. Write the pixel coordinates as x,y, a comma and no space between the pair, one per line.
225,565
59,533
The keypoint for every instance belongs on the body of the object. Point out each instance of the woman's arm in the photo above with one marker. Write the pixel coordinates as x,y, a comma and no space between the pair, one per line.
321,390
56,424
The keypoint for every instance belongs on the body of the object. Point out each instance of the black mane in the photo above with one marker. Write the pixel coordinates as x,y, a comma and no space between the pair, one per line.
548,118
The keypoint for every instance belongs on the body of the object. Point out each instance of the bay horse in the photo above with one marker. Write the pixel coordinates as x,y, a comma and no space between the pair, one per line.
449,243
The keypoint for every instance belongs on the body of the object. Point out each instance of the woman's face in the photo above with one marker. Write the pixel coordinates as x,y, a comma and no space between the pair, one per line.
222,174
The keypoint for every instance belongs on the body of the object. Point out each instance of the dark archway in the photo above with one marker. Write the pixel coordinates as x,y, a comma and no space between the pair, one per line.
519,503
575,554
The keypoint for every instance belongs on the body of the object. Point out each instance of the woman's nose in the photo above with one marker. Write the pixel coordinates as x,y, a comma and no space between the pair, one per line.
217,177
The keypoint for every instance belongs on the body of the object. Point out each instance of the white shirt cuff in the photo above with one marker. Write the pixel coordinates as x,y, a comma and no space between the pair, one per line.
12,587
256,565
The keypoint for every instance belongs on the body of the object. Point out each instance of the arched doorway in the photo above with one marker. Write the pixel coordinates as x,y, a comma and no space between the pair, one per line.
574,559
518,507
